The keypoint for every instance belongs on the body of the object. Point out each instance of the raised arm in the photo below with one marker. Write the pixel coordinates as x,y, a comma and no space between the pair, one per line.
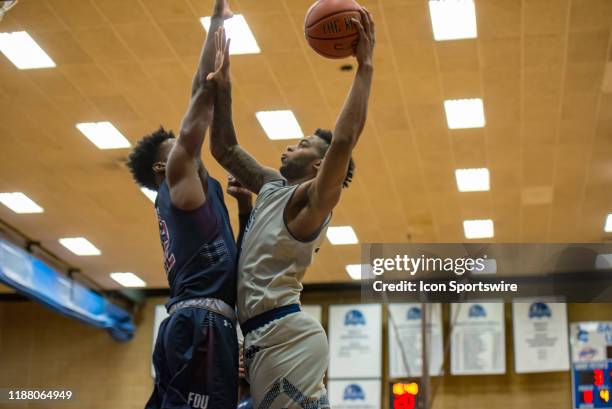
223,143
184,167
324,192
221,12
314,200
185,172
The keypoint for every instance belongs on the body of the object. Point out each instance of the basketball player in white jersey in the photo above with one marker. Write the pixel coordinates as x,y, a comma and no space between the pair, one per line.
286,350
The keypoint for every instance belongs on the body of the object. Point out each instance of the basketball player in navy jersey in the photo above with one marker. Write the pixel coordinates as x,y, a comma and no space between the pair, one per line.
286,350
196,352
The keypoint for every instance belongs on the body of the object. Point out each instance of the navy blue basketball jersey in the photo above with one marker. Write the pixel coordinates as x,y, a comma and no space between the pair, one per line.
199,247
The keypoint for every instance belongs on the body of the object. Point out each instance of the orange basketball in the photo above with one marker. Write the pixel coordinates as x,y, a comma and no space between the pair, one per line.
329,29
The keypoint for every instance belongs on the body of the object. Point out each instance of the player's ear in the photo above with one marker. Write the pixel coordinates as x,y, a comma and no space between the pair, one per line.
317,164
159,167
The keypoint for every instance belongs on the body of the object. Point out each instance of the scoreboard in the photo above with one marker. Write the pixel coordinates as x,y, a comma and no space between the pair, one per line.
591,344
405,395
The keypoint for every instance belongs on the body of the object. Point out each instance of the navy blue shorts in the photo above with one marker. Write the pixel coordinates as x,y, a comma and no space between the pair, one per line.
196,362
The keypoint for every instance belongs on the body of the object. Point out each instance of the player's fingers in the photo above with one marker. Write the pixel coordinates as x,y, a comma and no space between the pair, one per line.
365,20
359,27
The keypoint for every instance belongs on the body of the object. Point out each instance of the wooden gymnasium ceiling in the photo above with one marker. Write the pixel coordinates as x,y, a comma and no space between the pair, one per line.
542,67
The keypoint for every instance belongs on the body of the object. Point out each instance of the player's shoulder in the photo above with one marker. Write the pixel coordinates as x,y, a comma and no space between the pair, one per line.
272,185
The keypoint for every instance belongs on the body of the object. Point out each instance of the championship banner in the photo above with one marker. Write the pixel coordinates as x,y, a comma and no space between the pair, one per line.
591,347
160,315
355,341
315,311
354,394
540,336
405,357
478,339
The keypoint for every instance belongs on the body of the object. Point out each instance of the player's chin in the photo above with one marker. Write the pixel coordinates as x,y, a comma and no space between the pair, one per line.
283,170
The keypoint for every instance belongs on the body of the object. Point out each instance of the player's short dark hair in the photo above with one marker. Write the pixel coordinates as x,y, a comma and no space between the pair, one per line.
144,155
327,136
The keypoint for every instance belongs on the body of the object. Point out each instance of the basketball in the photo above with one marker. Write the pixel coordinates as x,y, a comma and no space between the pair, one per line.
329,29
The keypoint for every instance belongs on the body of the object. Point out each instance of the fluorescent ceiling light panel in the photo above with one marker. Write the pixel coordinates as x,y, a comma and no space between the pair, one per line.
236,28
608,225
128,279
473,180
104,135
80,246
279,125
20,203
150,194
359,271
478,229
453,19
23,51
464,113
342,235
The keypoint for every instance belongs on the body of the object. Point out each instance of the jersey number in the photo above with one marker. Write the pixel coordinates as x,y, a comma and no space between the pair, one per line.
169,259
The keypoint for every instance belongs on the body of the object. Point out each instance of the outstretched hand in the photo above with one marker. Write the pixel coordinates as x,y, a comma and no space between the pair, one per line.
367,37
221,74
222,9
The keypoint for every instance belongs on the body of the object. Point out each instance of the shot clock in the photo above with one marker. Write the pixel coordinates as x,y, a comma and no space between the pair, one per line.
591,344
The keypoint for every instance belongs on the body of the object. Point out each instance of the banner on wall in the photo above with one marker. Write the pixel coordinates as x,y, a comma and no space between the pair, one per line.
540,336
405,357
354,394
38,281
478,339
160,315
355,341
315,311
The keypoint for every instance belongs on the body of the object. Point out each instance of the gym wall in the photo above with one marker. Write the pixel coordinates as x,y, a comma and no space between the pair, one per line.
40,348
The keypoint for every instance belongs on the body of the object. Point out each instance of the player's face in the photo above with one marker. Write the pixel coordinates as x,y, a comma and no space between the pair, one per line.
302,159
162,156
165,148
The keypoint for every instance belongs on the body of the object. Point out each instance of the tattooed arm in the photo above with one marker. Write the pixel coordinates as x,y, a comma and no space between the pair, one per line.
223,143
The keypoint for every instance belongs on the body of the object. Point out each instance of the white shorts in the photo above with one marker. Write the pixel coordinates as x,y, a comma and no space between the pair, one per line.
286,361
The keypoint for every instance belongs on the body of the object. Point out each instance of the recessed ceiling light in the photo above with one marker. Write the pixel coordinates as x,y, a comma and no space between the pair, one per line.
20,203
472,180
464,113
608,225
128,279
150,194
80,246
104,135
358,271
478,229
453,19
23,51
342,235
236,28
279,125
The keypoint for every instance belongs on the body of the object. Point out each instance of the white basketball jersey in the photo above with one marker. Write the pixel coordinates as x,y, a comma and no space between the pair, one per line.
272,262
